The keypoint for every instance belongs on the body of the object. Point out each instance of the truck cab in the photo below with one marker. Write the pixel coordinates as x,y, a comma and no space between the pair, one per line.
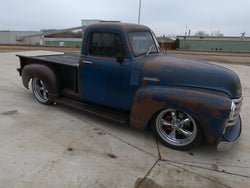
107,72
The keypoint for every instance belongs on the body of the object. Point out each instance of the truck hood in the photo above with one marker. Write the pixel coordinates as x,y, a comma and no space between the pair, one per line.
174,71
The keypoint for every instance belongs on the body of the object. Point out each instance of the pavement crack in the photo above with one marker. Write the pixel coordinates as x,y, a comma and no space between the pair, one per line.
221,171
128,143
143,179
206,163
158,149
108,133
210,179
159,158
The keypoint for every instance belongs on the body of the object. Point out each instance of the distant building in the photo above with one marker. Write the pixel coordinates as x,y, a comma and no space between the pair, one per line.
71,42
10,37
165,42
39,37
215,43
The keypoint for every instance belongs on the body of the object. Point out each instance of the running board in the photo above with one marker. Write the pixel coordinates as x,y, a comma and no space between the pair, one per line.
96,110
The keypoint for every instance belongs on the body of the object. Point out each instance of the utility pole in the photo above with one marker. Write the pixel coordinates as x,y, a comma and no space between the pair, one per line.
139,17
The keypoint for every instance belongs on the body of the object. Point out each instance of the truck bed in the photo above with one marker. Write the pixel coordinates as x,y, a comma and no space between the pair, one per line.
63,59
66,65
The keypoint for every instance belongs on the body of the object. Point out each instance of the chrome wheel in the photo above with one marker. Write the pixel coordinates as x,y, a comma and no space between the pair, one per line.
176,129
39,90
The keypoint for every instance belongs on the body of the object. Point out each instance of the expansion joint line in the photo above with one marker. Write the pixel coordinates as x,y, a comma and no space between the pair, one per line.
108,133
196,166
158,160
210,179
141,181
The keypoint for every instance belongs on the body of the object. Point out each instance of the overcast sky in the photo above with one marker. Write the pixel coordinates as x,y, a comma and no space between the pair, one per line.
163,16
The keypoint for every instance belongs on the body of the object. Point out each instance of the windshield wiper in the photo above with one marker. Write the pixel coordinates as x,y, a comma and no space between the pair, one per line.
149,50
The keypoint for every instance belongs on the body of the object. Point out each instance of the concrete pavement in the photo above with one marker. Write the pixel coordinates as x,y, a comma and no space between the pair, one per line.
55,146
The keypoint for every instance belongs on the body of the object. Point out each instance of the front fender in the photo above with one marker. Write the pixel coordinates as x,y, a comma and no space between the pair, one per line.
46,73
210,109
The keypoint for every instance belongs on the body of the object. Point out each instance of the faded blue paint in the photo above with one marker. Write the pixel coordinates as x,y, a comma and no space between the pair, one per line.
105,82
173,71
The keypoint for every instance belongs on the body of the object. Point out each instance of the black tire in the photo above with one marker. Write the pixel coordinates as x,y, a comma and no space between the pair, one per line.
176,129
40,91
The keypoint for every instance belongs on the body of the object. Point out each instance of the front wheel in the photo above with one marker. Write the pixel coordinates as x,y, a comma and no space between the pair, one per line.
40,91
176,129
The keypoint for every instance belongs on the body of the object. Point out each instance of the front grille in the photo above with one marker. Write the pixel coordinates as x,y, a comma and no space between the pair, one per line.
233,120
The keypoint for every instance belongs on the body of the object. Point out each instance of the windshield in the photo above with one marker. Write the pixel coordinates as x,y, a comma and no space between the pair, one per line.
142,42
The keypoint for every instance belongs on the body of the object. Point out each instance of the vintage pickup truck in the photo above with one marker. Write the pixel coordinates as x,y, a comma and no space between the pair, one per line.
122,75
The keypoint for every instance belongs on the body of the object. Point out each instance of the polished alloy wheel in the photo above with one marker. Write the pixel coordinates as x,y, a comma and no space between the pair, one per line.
176,128
39,90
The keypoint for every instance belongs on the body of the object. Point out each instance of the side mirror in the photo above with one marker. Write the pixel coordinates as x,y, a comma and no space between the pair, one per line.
119,58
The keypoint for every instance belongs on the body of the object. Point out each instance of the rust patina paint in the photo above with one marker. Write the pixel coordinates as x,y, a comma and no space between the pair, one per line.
143,108
207,108
163,65
123,26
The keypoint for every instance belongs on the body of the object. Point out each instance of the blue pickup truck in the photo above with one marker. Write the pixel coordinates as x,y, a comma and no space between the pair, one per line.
122,75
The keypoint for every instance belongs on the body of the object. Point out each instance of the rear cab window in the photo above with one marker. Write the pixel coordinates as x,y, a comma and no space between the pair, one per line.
105,44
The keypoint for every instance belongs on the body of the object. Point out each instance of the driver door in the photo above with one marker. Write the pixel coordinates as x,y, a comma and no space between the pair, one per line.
103,80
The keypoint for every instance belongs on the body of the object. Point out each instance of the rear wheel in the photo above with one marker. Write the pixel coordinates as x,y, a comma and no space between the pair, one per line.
40,91
176,129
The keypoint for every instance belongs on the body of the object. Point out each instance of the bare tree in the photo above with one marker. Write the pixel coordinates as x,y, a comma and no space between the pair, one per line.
217,33
201,33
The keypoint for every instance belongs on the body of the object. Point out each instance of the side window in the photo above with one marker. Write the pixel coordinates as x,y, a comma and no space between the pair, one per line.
105,44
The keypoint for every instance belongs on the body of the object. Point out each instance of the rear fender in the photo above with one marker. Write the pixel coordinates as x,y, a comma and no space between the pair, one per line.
47,74
210,109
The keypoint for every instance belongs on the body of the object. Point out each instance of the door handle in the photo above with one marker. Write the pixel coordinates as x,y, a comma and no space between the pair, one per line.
87,62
